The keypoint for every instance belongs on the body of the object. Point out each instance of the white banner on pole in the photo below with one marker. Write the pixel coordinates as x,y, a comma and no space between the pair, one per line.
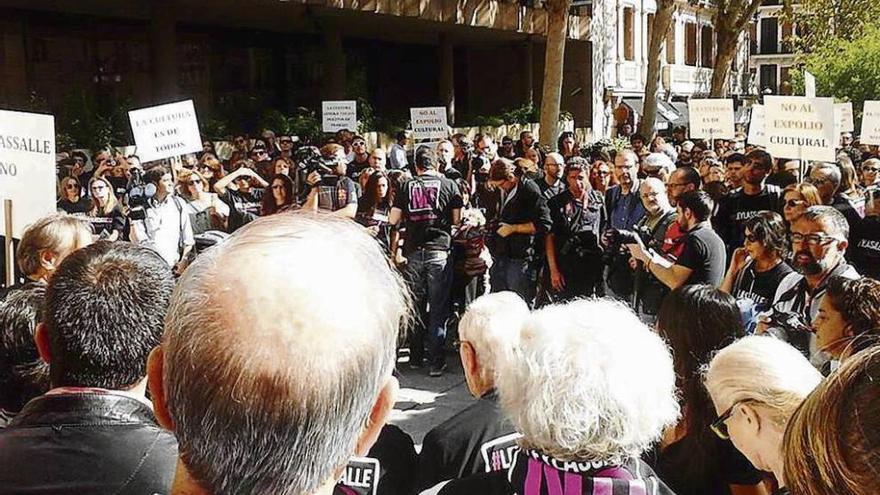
843,118
757,136
165,131
711,118
809,85
801,128
870,123
339,115
429,123
27,166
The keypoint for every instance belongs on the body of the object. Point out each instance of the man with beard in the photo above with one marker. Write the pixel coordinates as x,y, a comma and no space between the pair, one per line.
552,184
819,242
754,197
682,180
624,211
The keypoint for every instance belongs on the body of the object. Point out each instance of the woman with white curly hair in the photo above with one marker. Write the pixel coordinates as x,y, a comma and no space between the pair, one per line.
590,388
756,384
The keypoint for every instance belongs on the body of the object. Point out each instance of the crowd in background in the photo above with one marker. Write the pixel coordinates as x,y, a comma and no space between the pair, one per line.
674,316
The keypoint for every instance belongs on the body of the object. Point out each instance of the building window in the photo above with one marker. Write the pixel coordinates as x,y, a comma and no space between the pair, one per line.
769,35
670,45
753,38
628,34
768,78
690,44
706,46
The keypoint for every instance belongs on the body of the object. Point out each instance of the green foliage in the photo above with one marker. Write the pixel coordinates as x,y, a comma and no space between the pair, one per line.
847,69
823,21
614,144
85,121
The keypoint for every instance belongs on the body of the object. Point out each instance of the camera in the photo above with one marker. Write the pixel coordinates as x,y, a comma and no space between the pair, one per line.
138,194
617,238
786,320
309,159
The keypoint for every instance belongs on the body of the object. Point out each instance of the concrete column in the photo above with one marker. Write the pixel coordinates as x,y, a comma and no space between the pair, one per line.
447,77
334,64
163,48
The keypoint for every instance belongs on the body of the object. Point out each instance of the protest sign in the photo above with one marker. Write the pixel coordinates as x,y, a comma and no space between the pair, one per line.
429,123
757,136
339,115
27,166
711,119
800,127
809,85
165,131
843,118
870,123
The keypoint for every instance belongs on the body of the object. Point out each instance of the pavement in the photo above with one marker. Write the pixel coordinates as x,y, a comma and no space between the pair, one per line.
424,402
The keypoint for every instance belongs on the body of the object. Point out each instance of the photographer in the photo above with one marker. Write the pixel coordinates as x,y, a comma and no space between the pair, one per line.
658,224
166,227
243,198
625,210
523,215
703,258
331,190
818,243
574,256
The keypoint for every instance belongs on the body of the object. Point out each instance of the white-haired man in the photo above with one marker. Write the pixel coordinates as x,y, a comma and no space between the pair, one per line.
590,388
269,388
477,439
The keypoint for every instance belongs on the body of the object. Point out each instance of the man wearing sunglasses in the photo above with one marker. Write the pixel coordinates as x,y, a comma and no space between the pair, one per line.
818,245
827,179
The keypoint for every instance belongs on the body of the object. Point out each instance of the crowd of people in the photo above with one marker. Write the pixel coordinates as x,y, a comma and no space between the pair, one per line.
670,317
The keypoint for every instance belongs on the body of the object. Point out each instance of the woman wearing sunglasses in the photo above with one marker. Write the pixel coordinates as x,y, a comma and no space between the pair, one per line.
70,198
869,176
796,198
206,211
106,215
697,321
756,384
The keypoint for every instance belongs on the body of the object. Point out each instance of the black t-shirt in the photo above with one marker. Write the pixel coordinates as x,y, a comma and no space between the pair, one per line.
574,222
375,217
427,202
524,204
737,207
760,287
355,167
243,207
864,247
104,225
81,207
393,456
549,191
704,254
476,440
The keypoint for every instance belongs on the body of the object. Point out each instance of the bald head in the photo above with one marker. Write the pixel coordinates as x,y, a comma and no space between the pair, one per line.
267,382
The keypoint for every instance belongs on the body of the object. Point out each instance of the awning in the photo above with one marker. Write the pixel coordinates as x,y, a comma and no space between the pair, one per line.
668,115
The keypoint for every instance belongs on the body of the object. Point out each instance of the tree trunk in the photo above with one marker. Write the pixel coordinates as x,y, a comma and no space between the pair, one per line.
557,27
662,21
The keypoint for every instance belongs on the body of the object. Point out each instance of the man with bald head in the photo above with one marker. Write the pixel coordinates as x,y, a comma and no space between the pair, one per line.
269,388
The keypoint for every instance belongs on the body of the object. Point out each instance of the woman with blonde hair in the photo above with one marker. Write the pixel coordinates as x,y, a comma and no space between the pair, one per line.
70,198
756,384
831,445
206,211
106,215
796,198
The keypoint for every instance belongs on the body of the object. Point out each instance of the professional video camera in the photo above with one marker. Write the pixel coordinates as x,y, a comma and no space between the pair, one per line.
786,320
617,238
138,194
309,159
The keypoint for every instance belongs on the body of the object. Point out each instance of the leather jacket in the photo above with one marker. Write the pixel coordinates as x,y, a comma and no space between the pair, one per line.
86,443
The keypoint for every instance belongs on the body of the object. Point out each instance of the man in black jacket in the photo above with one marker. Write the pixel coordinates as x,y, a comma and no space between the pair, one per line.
94,431
523,215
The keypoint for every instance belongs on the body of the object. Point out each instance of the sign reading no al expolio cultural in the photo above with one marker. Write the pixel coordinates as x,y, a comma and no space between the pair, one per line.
27,166
711,119
800,127
165,131
429,123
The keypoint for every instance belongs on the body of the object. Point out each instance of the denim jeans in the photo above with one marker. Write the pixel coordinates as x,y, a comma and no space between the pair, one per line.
429,277
515,275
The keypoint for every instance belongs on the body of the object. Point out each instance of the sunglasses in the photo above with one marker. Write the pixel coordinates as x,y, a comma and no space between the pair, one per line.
194,182
359,143
71,185
870,169
277,187
794,203
752,238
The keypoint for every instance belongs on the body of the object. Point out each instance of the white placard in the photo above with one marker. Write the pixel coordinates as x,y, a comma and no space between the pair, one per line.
27,166
711,119
339,115
843,118
870,123
801,128
429,123
165,131
809,85
757,136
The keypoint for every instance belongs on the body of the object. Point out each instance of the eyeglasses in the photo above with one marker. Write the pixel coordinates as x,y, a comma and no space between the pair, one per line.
811,239
794,203
719,427
818,180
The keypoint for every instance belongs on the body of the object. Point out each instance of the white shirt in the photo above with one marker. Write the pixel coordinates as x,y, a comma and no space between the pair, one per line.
165,222
397,157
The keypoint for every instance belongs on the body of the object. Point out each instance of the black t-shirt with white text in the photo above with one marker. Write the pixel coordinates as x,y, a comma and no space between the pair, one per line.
243,207
864,247
427,202
737,207
760,287
78,208
704,254
103,225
